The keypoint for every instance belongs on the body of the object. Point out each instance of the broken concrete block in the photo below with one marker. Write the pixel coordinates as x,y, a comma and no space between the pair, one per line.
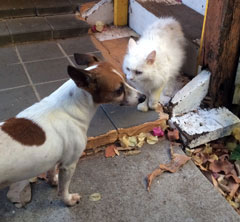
101,11
202,126
191,95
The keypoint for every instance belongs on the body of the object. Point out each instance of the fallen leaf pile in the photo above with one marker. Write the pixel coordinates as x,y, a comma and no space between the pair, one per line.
131,144
220,163
178,160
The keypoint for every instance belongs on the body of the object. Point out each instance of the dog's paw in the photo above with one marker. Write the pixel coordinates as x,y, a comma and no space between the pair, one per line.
142,107
72,199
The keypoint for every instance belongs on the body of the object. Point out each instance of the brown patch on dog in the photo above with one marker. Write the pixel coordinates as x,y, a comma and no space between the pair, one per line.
106,84
24,131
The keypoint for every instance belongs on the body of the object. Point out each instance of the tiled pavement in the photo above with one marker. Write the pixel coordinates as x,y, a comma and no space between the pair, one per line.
29,72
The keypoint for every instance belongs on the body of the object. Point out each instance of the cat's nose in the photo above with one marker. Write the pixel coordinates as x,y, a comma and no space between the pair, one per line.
130,77
142,98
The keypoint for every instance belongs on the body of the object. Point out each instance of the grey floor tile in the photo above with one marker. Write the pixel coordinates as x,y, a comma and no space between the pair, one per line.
49,70
127,116
47,88
8,55
100,124
15,100
29,29
38,51
12,76
48,7
67,26
5,37
81,44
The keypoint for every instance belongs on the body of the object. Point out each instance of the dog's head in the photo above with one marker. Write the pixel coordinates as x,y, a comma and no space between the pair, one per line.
103,82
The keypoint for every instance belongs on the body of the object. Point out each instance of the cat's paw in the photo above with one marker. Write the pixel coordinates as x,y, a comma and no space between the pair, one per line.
142,107
153,105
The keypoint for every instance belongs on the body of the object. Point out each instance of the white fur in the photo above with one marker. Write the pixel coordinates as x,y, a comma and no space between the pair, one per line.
64,116
134,94
165,36
64,119
91,67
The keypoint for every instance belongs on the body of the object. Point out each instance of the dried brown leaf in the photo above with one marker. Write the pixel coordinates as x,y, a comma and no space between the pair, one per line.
177,161
132,152
116,151
221,166
43,176
152,176
233,188
110,151
173,135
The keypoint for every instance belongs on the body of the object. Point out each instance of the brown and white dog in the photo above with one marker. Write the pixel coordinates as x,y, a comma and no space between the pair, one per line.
53,131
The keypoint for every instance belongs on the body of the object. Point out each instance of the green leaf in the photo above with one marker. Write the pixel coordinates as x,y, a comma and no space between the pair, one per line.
235,155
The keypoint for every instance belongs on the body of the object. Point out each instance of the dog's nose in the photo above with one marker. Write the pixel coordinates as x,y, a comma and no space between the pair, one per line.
141,99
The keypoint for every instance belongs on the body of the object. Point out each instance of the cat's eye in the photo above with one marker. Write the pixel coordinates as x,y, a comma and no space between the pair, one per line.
128,69
120,90
138,72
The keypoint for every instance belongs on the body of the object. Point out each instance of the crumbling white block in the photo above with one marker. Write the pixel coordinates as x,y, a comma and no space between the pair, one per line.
101,11
191,95
202,126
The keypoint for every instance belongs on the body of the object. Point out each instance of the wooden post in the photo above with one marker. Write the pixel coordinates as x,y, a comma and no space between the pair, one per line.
120,12
221,48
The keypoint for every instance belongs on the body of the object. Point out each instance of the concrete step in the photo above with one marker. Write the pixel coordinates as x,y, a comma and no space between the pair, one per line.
18,30
24,8
142,14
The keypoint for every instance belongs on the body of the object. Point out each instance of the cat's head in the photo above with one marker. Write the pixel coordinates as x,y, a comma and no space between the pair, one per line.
139,62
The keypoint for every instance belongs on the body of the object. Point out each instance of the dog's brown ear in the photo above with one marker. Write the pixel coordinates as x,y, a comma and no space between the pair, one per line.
85,59
151,57
81,77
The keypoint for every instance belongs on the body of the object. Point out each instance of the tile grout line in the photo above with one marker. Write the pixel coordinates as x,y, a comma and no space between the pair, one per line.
15,87
109,118
53,81
43,60
27,74
36,84
65,54
38,60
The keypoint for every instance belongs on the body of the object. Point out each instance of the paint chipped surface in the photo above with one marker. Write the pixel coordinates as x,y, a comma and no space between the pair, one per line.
24,131
203,126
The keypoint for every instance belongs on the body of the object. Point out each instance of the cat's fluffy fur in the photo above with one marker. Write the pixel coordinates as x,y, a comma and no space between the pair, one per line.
154,59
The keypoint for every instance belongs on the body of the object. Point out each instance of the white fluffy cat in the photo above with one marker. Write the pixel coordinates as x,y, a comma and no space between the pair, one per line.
154,59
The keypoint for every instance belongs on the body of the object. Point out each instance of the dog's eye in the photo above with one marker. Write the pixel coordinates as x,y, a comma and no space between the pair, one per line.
138,72
128,69
120,90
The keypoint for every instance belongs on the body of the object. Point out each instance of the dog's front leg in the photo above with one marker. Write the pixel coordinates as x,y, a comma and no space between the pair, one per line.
65,175
52,176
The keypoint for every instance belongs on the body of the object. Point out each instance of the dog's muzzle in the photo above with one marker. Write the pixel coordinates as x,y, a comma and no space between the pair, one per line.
142,98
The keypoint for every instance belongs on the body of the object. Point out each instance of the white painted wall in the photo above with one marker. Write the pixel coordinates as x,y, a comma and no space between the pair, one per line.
197,5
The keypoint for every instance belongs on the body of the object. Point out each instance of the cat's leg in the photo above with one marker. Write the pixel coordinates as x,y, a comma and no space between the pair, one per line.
143,106
155,97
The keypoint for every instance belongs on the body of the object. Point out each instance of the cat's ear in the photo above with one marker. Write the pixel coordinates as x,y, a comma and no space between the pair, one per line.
151,57
131,43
